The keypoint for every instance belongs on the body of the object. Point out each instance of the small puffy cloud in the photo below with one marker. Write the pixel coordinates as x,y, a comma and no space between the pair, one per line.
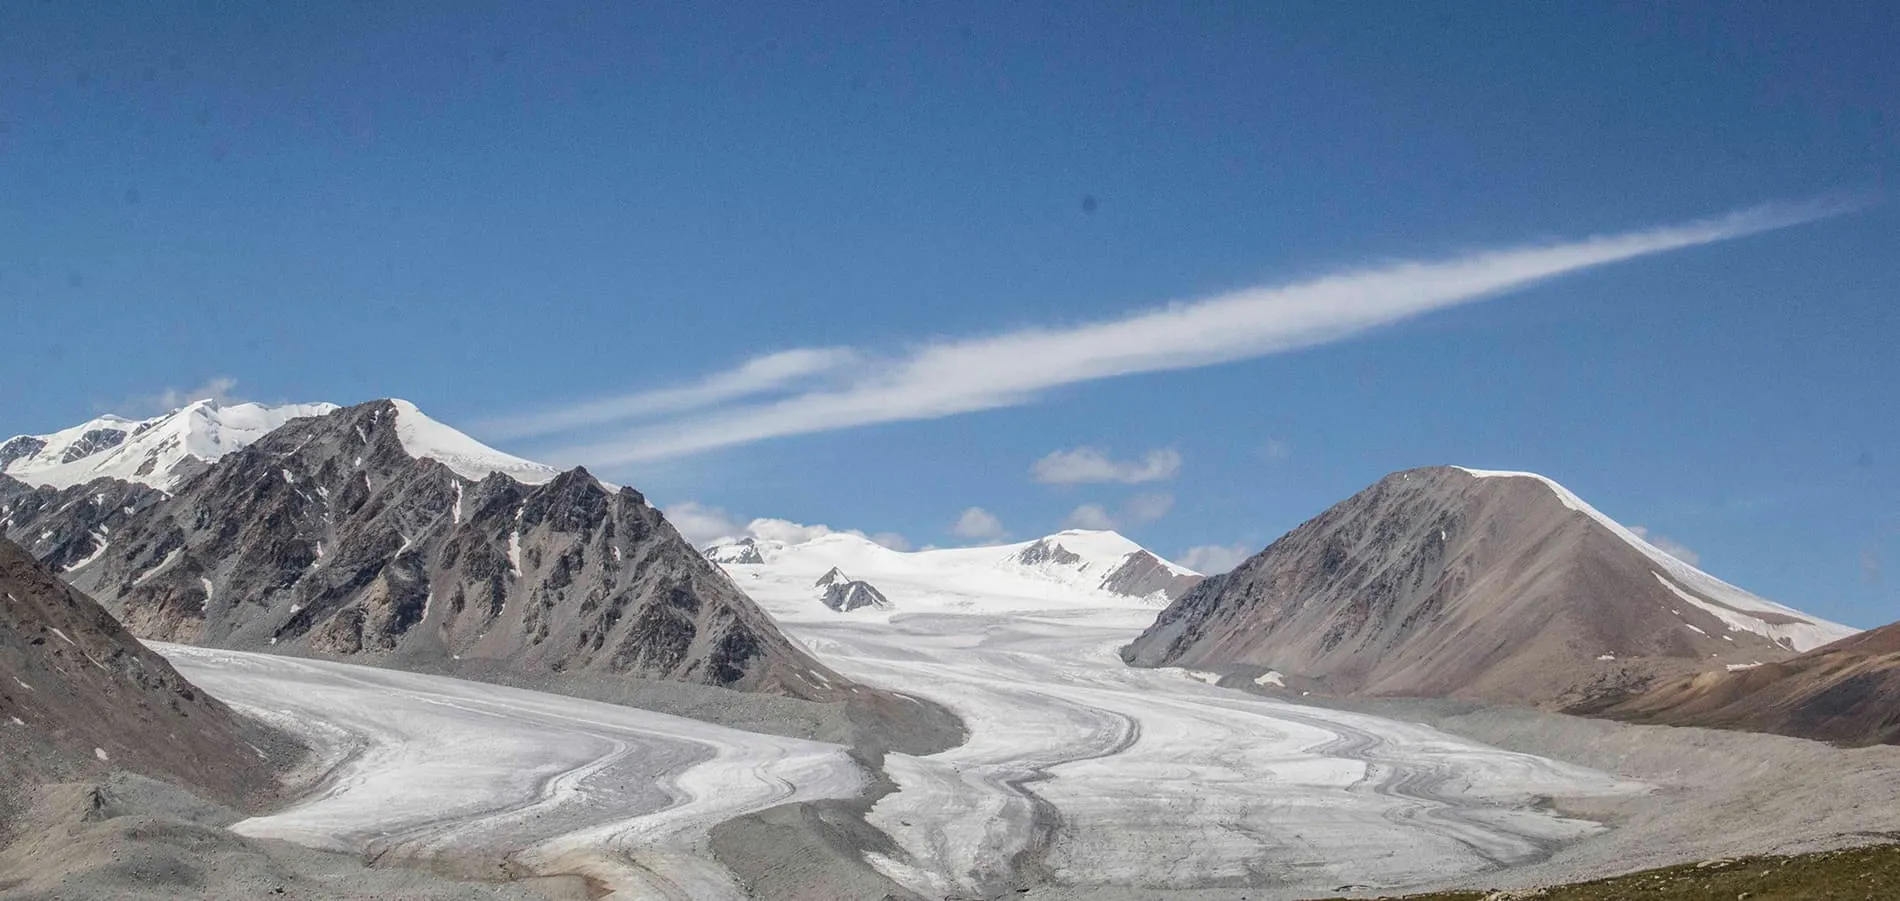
1139,509
977,524
1089,516
1086,465
785,530
703,526
218,389
1214,559
700,524
1668,545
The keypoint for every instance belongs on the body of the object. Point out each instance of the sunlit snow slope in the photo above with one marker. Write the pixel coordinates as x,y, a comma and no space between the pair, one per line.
160,452
1128,777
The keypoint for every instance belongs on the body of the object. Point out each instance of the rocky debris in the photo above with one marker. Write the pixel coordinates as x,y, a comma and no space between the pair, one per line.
326,535
850,595
1440,583
79,696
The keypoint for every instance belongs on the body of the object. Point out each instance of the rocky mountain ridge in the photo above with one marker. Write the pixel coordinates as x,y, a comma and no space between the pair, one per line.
344,535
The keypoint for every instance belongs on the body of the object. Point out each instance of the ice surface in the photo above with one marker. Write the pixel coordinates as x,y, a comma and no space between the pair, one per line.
426,767
1135,777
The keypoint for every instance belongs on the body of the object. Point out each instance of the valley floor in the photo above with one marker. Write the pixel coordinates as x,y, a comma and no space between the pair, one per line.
1084,773
1081,778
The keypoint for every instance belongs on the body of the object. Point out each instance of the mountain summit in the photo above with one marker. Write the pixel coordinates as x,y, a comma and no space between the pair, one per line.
1469,583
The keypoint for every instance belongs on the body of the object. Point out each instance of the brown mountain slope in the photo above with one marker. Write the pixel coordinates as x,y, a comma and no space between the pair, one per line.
1847,692
79,695
1445,582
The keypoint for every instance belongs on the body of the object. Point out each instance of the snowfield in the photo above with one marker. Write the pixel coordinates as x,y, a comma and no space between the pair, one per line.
1110,775
477,777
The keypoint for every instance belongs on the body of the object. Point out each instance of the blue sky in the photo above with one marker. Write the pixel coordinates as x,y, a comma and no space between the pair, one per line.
502,212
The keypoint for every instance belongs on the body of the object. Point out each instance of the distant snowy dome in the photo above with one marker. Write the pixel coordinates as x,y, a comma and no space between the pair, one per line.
161,452
1065,569
423,437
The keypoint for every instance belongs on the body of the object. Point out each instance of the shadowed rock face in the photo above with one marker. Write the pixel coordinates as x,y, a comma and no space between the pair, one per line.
66,527
1437,583
78,693
326,536
1847,692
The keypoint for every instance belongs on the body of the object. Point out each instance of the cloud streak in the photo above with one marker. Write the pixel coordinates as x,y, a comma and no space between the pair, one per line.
759,375
946,378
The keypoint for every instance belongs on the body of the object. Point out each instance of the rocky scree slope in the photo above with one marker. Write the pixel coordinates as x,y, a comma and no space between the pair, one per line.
79,696
1446,582
344,535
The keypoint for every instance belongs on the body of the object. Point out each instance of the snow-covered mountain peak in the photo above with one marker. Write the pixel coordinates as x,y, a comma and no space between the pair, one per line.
1102,560
1736,607
161,452
423,437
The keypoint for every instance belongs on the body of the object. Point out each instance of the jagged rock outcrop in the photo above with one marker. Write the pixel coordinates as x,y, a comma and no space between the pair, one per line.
744,551
78,695
1447,582
832,576
848,595
333,536
1847,692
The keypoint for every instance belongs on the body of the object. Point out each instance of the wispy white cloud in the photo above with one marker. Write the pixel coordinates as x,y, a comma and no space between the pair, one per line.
1668,545
757,376
1214,559
217,388
1088,464
945,378
977,524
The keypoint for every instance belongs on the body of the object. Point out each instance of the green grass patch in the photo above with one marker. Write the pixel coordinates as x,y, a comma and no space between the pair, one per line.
1858,874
